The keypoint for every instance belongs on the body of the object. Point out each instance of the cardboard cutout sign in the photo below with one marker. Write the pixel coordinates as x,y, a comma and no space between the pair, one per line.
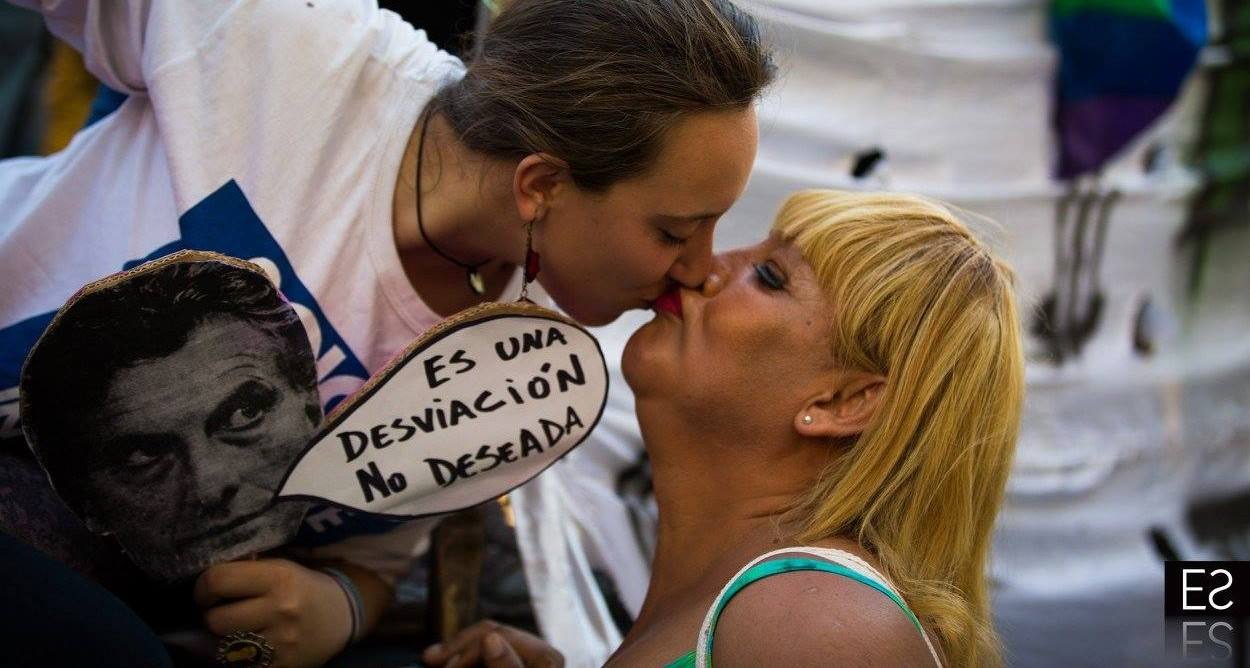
478,405
175,406
166,402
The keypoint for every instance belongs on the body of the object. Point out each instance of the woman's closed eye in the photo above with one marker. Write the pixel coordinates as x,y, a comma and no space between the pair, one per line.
669,239
770,275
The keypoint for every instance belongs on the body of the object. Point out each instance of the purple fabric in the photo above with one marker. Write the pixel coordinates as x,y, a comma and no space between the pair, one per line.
1091,131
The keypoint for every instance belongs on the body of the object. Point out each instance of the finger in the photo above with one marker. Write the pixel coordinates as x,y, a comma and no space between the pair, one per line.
235,579
284,644
461,650
469,656
249,614
434,655
498,653
532,650
464,649
439,654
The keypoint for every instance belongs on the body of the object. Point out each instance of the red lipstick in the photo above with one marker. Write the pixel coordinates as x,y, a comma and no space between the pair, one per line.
669,302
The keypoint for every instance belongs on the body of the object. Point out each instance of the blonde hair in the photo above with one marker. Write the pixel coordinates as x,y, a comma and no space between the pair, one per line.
917,299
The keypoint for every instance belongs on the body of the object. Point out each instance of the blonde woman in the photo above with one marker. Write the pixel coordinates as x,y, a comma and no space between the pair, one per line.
830,419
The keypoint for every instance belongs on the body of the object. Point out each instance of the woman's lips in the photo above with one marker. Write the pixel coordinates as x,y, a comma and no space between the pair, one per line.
669,302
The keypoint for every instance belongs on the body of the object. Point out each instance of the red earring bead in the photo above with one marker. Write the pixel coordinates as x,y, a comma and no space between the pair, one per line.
532,265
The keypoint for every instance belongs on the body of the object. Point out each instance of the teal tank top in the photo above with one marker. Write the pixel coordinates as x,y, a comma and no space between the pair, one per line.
763,569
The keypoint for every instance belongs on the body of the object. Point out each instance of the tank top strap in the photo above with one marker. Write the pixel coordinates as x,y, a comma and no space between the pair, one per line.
830,560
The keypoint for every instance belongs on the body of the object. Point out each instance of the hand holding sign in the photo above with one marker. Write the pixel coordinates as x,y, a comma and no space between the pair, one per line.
477,406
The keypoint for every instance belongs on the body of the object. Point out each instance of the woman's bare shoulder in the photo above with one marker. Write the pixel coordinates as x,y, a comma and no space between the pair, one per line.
813,618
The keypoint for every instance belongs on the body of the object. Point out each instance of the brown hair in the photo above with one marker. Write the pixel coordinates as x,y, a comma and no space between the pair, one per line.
597,83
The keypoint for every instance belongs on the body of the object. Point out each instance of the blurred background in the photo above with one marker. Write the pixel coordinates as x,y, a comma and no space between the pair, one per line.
1102,145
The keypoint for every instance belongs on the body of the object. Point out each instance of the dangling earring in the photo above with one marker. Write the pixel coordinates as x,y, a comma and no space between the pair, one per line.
533,262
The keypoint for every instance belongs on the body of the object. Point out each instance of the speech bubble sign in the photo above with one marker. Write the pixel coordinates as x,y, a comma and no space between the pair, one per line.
481,403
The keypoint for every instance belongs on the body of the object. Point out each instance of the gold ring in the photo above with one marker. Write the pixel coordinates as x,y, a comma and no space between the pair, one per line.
244,649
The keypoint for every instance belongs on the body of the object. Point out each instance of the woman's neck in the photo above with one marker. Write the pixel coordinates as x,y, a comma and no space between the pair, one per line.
714,515
466,213
695,553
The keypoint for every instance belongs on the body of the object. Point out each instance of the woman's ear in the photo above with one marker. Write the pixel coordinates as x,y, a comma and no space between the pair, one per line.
536,184
844,411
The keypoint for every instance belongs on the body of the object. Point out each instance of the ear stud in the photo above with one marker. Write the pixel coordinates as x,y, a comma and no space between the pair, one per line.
807,419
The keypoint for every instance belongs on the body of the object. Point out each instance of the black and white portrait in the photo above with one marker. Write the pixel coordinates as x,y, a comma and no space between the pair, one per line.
165,404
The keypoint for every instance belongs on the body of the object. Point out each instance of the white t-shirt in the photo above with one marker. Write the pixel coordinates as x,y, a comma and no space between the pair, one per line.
273,131
270,131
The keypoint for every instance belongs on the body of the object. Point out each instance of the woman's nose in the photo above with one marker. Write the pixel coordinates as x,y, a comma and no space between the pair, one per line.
692,266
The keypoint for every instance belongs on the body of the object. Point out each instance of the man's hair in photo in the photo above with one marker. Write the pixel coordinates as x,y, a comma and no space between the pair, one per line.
144,317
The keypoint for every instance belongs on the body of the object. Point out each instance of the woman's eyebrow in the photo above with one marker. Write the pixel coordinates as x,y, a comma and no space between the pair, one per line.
690,217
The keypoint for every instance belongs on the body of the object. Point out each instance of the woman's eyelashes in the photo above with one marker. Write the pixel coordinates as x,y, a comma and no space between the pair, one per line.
770,275
669,239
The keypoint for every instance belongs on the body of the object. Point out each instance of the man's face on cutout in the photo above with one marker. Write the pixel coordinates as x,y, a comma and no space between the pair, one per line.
187,451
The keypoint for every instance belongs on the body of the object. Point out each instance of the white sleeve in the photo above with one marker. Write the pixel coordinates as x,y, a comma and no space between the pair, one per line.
123,41
389,555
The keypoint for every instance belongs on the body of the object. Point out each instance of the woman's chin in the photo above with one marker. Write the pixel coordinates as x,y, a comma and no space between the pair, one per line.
644,362
630,361
587,312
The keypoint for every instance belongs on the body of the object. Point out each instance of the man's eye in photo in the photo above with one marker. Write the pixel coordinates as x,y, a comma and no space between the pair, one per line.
139,453
245,408
139,458
244,417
